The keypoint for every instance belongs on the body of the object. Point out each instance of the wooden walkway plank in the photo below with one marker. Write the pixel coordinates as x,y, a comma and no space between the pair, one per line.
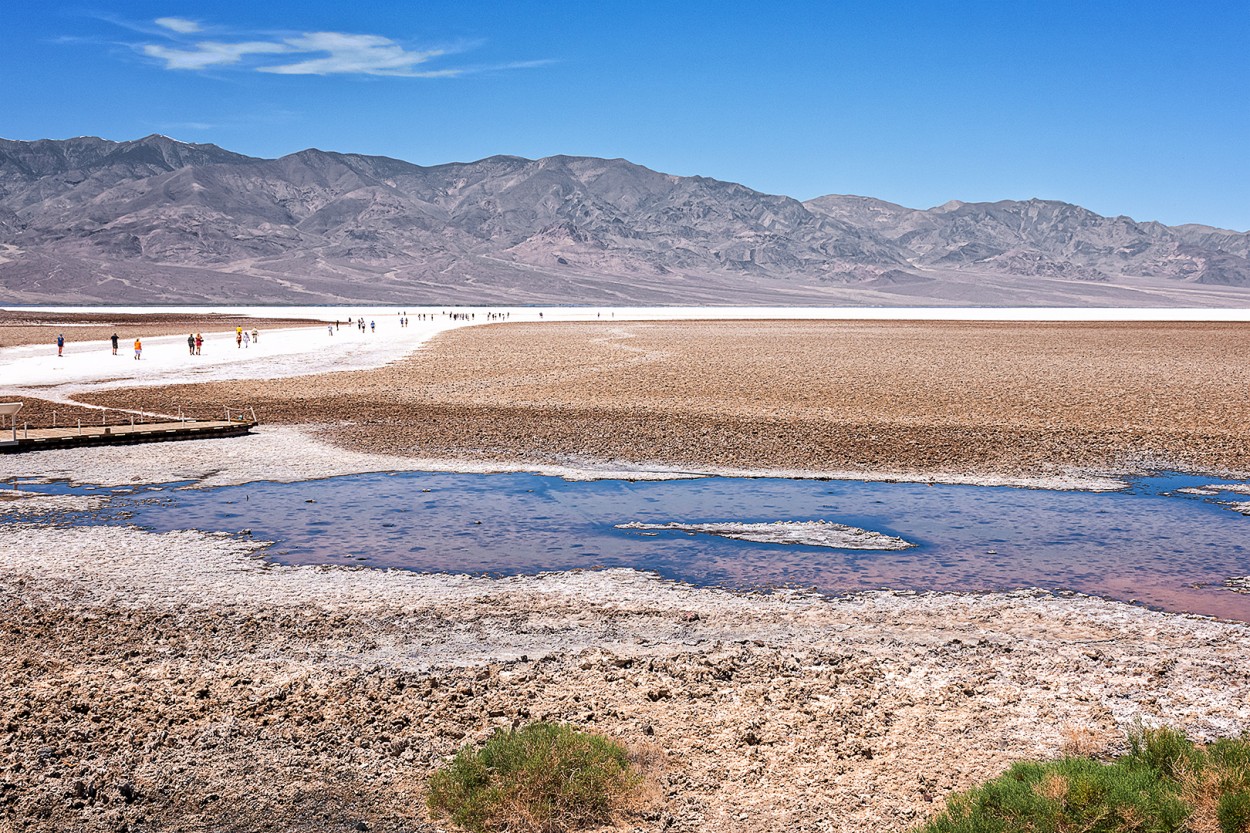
36,439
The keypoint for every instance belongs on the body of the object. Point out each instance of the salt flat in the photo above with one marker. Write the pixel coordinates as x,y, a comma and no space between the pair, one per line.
291,352
196,676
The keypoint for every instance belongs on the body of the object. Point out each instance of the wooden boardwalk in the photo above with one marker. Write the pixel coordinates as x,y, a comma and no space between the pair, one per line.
36,439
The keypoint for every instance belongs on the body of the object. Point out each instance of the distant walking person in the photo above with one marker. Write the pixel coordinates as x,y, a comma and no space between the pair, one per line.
138,349
191,344
114,340
247,340
330,330
238,339
255,336
60,344
199,342
373,327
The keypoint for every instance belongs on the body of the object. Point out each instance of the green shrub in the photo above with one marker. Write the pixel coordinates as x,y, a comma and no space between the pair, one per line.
542,778
1233,813
1163,750
1165,784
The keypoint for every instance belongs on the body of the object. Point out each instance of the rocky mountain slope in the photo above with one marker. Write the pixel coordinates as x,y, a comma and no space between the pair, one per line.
1044,237
156,220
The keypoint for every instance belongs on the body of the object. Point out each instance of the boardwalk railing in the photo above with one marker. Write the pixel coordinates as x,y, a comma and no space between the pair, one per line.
115,425
247,414
114,417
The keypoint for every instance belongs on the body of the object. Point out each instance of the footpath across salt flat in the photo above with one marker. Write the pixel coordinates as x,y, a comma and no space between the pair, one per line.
36,370
166,360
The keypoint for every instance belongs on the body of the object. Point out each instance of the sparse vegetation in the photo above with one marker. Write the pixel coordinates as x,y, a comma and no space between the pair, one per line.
1165,784
541,778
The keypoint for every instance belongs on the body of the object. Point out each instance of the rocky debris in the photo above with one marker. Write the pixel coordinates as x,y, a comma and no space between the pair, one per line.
175,682
1238,584
806,533
1045,238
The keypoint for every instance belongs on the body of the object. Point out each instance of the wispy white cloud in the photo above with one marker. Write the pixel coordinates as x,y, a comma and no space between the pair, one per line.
206,54
188,125
302,53
341,53
178,24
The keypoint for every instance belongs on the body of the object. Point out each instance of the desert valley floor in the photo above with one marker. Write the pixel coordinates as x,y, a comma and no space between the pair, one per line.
185,681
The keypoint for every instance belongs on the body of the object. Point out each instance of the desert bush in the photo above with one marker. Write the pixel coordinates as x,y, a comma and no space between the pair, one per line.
1164,750
1084,741
541,778
1233,813
1165,784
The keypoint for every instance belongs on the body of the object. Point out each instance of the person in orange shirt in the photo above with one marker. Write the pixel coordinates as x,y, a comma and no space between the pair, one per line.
138,349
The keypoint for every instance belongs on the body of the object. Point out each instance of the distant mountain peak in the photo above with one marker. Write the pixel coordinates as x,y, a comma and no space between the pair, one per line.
157,218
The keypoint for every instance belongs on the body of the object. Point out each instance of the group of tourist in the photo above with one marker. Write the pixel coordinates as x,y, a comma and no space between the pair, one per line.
358,323
371,326
242,338
114,341
195,342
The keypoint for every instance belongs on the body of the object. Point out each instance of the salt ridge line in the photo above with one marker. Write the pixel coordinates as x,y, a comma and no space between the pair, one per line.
706,313
285,454
807,533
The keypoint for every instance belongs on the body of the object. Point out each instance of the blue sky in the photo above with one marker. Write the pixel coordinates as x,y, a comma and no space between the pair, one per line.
1137,108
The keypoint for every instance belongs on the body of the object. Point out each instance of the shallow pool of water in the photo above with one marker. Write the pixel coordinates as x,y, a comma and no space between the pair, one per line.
1147,543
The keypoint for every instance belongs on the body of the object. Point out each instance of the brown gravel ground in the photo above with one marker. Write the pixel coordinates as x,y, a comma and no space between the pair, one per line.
38,413
906,397
19,327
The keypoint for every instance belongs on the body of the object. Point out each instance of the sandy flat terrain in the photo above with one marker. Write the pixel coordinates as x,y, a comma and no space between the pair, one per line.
172,682
815,396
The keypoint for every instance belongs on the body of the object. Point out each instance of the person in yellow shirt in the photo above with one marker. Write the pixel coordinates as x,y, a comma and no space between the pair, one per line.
138,349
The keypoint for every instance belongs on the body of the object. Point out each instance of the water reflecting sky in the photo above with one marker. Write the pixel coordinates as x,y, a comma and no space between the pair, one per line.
1148,544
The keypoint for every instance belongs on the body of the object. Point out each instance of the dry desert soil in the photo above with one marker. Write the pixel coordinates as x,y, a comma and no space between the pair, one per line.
814,396
178,682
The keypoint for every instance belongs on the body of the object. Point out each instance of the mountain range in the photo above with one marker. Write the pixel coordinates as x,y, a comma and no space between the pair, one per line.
158,221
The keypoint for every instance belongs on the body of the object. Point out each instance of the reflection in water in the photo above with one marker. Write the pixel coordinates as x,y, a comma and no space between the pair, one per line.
1148,543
